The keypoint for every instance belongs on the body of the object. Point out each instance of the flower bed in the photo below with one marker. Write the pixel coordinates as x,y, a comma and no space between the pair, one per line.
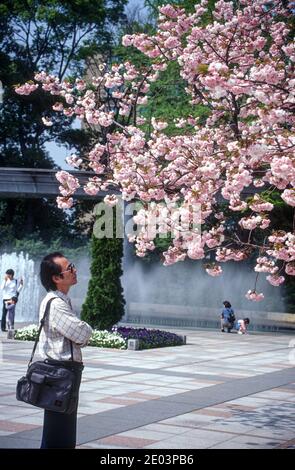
107,339
117,338
28,333
149,339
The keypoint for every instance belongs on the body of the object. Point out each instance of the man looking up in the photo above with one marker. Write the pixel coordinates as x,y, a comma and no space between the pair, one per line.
61,339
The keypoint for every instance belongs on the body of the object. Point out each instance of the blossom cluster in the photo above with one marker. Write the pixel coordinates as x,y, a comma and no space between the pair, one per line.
241,66
69,184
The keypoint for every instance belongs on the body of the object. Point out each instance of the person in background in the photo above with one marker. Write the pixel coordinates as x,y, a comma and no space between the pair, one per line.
10,307
11,288
61,339
227,317
242,325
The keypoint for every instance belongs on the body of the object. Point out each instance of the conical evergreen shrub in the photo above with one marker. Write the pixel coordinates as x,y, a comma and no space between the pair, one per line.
104,304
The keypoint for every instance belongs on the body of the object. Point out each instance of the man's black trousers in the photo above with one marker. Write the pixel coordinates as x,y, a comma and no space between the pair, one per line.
3,319
59,429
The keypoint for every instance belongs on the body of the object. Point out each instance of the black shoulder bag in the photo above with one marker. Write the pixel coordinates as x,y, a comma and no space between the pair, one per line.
51,384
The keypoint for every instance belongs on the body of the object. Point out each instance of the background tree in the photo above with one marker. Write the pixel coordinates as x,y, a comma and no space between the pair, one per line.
55,36
168,99
104,304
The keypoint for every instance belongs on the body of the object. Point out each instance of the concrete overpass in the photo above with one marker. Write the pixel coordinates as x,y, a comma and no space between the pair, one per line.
39,183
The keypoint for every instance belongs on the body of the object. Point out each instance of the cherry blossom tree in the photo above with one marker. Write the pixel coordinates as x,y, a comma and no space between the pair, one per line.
241,66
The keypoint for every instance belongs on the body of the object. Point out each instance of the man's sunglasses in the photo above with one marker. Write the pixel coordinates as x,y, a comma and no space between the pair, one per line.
71,268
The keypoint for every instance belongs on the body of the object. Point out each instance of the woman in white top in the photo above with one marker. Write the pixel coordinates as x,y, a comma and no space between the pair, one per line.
10,288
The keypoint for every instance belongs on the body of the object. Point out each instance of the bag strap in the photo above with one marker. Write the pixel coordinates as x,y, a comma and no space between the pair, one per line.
42,322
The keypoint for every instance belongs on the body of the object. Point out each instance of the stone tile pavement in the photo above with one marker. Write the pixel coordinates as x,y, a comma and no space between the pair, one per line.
219,391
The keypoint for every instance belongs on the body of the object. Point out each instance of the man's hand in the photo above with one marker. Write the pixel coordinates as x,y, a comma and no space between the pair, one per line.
21,281
6,277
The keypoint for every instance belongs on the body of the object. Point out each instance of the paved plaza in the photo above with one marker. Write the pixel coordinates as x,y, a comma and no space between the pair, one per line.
219,391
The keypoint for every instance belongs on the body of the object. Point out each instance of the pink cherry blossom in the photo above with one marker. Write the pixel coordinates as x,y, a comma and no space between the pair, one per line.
58,107
47,122
275,280
69,183
259,205
111,200
250,223
74,161
64,202
26,89
265,265
278,237
227,254
252,295
170,11
93,186
195,252
289,196
240,67
283,168
173,255
214,271
158,125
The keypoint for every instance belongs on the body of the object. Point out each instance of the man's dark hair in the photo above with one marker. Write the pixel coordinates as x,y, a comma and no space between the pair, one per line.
246,320
227,304
49,268
10,272
15,299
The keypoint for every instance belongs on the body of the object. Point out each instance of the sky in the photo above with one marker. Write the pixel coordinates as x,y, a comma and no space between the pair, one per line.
58,153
